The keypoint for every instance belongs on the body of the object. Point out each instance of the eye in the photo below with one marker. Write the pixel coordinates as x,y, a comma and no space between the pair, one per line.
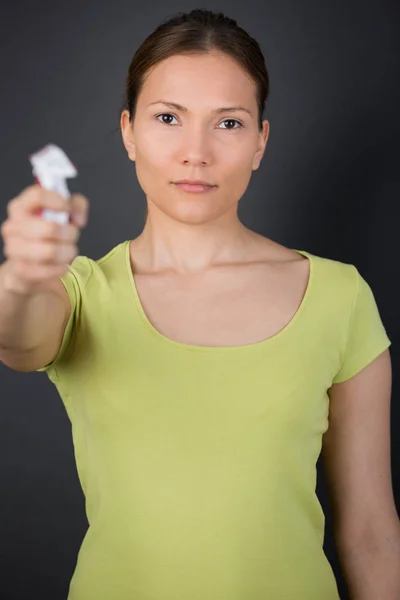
165,115
169,115
232,121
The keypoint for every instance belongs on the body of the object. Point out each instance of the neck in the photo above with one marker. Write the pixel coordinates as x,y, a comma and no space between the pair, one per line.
166,244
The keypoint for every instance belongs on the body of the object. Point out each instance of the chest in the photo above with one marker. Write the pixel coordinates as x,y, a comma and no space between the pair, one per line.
228,307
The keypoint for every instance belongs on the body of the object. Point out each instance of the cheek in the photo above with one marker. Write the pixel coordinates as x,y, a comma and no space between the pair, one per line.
152,144
236,162
153,166
154,150
236,169
237,150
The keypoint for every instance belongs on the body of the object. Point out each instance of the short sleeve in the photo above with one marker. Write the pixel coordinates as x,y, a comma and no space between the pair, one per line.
366,336
75,281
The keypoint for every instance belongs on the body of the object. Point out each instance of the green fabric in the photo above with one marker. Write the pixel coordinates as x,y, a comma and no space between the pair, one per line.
198,464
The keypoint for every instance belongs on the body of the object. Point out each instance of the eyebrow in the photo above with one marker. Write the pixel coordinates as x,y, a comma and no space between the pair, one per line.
216,111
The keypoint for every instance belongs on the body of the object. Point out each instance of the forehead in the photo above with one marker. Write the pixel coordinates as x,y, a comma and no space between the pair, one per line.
199,79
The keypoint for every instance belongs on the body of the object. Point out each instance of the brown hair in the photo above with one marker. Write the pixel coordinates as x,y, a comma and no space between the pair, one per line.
197,32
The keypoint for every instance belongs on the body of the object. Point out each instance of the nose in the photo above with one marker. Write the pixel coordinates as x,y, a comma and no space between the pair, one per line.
195,148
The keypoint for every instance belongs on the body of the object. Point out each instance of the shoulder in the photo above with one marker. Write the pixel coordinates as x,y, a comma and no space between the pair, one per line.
278,254
84,270
335,282
330,266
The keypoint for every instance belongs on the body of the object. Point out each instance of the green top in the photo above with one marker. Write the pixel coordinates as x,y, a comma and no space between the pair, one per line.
198,463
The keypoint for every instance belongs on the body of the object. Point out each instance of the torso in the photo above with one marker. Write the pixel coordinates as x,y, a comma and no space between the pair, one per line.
231,305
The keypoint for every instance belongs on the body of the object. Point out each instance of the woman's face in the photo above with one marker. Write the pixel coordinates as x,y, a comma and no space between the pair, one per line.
197,141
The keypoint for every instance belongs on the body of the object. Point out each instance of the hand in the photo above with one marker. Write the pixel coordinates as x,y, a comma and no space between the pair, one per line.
38,250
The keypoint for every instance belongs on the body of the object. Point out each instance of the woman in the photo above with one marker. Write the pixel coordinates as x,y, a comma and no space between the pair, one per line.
202,363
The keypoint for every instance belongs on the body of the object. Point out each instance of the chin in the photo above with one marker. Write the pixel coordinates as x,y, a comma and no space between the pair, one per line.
193,217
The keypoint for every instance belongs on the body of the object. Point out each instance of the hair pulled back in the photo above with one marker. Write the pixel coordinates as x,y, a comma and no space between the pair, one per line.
197,32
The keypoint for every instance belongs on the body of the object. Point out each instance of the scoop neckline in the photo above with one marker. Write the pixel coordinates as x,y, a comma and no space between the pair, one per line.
257,346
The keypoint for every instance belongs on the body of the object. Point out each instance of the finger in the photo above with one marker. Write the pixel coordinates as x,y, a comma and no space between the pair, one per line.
36,198
39,228
40,252
37,272
79,210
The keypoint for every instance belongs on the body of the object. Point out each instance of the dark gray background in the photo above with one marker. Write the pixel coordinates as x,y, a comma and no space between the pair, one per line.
329,183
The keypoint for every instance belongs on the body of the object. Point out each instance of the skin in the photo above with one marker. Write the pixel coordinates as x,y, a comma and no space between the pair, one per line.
188,233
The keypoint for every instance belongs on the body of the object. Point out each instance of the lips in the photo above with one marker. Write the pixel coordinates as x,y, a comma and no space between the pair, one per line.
194,182
195,187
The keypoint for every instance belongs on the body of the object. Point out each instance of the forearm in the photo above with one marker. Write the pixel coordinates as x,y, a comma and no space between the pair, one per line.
371,567
23,317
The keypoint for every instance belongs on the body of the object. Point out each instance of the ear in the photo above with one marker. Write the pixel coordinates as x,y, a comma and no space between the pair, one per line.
128,135
263,139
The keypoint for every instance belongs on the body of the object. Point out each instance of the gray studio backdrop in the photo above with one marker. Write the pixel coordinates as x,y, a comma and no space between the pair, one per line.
329,183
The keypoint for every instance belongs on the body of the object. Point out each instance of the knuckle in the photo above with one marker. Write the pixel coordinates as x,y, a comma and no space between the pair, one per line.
6,249
5,226
29,193
66,232
65,252
51,229
11,206
10,248
49,252
34,188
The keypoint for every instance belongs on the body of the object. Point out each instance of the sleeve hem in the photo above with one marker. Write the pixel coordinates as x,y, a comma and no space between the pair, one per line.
362,360
71,284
